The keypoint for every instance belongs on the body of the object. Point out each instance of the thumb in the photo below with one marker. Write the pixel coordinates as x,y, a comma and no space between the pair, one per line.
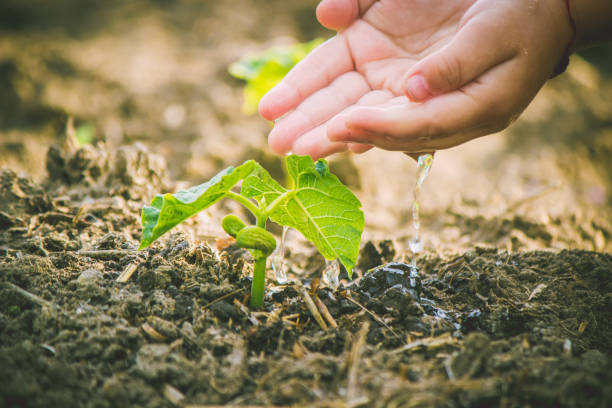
339,14
474,50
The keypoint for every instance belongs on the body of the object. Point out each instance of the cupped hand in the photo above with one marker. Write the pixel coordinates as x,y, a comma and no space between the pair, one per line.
416,75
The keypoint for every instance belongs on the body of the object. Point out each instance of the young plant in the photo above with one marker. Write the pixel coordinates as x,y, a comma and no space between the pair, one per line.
263,70
315,203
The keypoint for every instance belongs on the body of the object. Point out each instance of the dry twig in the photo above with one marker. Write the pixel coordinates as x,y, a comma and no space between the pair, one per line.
374,316
325,312
354,358
30,296
128,272
173,395
246,311
428,343
154,334
310,304
209,304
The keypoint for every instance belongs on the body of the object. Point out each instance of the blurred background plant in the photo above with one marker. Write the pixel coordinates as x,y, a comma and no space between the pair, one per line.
263,70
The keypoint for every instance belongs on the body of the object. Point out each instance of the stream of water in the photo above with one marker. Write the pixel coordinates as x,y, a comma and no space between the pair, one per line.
278,260
331,274
331,271
424,163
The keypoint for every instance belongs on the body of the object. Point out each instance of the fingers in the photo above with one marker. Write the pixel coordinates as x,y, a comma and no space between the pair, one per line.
375,101
480,108
339,14
316,143
317,109
465,58
359,148
324,64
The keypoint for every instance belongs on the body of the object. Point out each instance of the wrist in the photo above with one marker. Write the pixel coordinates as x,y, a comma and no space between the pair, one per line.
592,19
554,27
563,62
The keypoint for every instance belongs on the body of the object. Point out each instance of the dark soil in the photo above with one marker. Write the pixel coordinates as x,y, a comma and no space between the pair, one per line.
513,307
485,328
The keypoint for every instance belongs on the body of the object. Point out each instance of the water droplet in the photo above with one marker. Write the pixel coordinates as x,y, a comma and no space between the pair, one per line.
280,273
278,260
416,245
567,346
331,274
414,273
424,163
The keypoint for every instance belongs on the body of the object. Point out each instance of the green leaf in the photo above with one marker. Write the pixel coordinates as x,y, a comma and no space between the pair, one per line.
168,210
323,209
260,185
318,205
85,134
263,70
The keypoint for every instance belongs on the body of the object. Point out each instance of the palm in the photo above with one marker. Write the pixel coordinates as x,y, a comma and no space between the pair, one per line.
362,66
473,64
383,46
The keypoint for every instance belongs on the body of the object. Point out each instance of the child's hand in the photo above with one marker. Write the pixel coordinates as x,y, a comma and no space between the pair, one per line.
416,75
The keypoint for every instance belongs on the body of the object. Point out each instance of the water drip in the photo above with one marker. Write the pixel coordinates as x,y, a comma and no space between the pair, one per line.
416,245
278,260
331,274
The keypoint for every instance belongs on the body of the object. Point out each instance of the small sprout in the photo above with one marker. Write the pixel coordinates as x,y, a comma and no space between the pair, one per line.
232,225
317,204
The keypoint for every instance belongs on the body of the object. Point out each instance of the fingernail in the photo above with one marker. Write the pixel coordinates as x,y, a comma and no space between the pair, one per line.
417,88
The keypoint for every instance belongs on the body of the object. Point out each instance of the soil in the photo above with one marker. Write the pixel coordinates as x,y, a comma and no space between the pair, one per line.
512,307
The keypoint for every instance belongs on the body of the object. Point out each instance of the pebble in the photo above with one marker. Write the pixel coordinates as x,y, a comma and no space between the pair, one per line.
89,275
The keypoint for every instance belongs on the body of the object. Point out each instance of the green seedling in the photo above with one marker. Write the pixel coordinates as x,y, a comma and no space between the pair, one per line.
315,203
85,134
263,70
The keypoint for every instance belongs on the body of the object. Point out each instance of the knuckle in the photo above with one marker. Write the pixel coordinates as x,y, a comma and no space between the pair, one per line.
450,73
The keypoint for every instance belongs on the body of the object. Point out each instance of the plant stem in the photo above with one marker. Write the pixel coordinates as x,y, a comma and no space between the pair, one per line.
261,221
246,202
272,206
258,286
